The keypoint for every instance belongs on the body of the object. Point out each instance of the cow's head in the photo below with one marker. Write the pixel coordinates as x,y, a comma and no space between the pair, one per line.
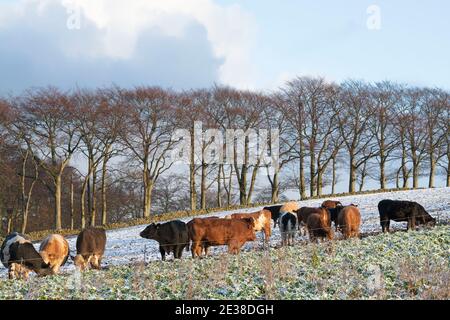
250,229
426,219
150,232
18,271
80,263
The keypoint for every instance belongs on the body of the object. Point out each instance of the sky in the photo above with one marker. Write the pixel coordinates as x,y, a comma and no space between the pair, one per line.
249,44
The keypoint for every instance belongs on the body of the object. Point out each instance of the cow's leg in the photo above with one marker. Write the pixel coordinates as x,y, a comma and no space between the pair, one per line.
196,249
163,253
95,262
55,269
413,223
179,251
385,225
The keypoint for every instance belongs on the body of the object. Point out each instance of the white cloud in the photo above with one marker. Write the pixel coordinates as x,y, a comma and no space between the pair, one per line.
121,24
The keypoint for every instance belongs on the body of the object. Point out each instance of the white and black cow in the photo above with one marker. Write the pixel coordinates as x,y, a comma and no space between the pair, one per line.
18,254
288,225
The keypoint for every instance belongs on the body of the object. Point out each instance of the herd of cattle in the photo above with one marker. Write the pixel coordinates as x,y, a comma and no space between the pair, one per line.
18,254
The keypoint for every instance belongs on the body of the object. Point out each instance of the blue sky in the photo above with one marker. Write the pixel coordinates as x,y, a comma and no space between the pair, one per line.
195,43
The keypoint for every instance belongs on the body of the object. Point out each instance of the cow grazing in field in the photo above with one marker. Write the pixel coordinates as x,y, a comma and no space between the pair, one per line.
216,232
172,237
349,220
262,221
288,226
319,225
54,250
91,244
304,212
20,257
275,213
330,204
400,211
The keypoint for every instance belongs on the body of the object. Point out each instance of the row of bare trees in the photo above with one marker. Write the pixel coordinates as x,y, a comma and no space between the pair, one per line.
87,157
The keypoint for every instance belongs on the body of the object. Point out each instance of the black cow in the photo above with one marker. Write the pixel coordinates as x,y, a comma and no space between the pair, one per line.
172,237
18,254
275,211
408,211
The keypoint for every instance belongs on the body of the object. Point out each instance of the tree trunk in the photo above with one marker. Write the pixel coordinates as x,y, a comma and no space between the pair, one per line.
415,171
94,197
203,186
148,199
352,175
58,225
146,179
275,187
319,181
219,187
83,202
192,186
302,186
405,173
89,203
71,204
104,212
382,170
333,182
448,169
432,171
312,173
252,184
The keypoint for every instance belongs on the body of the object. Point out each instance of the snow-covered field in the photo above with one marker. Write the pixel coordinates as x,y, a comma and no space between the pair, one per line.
125,246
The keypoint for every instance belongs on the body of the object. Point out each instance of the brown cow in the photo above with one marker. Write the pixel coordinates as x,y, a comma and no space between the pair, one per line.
319,225
205,245
262,221
54,250
216,232
349,220
331,204
91,243
302,216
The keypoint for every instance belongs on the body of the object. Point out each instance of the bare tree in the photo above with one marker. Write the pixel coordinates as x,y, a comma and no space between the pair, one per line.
276,118
51,134
434,109
353,116
149,123
294,111
386,96
415,130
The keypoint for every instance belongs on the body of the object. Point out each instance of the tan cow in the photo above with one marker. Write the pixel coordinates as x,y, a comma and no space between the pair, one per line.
349,220
289,207
262,220
54,250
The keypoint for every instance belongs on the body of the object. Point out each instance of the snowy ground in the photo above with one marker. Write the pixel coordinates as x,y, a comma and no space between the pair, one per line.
125,246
